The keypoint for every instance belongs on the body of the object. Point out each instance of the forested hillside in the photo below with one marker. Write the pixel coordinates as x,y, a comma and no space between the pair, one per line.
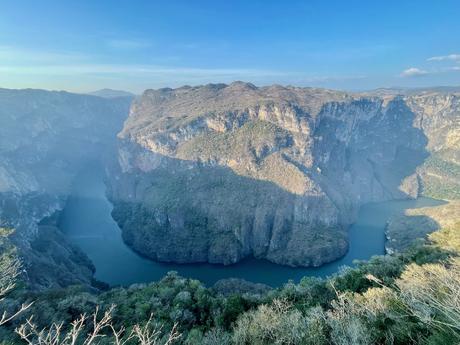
408,298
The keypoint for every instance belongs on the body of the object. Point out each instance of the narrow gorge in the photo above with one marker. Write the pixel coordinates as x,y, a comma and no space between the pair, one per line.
46,138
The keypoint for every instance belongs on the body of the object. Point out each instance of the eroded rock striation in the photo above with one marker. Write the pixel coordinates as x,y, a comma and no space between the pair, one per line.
219,172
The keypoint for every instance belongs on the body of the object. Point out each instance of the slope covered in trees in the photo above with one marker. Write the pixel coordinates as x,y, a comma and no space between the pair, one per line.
408,298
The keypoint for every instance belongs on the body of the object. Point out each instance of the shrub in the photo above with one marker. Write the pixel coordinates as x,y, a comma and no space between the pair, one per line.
431,293
278,323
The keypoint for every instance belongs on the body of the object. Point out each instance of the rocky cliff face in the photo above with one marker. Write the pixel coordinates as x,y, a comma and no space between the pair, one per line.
219,172
45,139
438,116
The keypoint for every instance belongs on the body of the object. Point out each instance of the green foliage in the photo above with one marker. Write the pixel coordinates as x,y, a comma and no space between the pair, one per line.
233,306
442,181
251,141
432,294
448,238
406,298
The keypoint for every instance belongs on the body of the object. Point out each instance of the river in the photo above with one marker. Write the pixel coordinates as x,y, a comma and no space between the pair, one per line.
87,222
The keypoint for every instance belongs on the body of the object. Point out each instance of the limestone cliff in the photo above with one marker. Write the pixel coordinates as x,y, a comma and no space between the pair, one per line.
439,118
219,172
45,139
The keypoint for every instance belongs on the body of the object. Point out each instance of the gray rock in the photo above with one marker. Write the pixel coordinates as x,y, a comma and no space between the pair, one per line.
220,172
45,139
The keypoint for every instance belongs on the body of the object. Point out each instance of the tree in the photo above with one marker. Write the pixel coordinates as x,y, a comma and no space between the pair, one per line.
76,333
278,323
10,269
431,293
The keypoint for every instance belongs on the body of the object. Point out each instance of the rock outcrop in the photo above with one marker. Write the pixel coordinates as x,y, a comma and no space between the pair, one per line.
220,172
45,139
438,116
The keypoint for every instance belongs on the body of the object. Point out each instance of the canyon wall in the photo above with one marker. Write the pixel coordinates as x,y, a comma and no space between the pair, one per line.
45,139
219,172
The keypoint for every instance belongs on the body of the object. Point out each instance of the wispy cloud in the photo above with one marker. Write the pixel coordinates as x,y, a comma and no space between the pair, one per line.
22,68
18,55
24,62
21,61
143,70
128,44
450,57
413,72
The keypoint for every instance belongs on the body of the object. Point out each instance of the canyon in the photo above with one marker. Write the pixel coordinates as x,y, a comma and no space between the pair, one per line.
217,173
45,139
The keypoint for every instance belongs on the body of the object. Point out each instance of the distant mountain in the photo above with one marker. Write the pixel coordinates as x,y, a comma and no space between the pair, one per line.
109,93
411,91
437,89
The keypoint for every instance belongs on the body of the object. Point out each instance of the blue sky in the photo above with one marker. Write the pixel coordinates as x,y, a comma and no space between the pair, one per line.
133,45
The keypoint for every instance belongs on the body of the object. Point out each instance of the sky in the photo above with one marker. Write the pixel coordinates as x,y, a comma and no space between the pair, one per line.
133,45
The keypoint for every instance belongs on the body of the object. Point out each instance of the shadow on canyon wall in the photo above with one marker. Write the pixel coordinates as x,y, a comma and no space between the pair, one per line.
190,212
185,211
376,159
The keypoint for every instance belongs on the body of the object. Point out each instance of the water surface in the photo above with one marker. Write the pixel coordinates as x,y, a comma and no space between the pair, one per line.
87,222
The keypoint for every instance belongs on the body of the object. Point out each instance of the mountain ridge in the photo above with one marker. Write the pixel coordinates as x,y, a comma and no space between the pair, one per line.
322,147
111,93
